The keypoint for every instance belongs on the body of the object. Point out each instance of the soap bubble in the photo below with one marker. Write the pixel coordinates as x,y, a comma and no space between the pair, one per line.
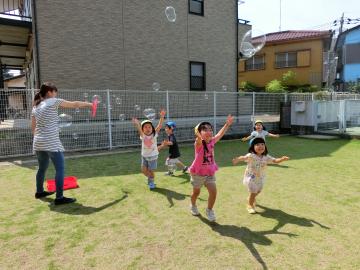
150,113
252,42
170,14
122,117
156,86
75,136
224,88
65,120
118,100
137,107
206,96
96,97
77,110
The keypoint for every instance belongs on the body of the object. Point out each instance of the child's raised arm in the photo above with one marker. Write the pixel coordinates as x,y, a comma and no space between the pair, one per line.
161,121
221,133
138,126
246,138
238,159
283,158
273,135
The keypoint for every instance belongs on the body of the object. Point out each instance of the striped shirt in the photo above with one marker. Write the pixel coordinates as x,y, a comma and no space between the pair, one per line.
46,136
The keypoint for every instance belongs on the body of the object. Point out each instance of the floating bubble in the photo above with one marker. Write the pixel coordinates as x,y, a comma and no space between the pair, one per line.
252,42
224,88
118,101
65,120
137,107
122,117
86,95
156,86
206,96
170,14
77,110
150,113
75,136
96,97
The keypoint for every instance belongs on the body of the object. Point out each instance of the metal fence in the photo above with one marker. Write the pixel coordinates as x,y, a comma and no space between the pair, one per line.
112,126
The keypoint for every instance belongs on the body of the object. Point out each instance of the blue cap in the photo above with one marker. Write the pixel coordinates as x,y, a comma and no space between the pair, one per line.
171,124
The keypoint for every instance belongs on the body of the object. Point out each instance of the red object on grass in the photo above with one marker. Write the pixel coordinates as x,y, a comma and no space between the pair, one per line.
94,107
70,182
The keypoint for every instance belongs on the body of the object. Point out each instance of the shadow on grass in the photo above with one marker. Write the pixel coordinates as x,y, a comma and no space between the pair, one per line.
129,163
243,234
172,195
78,208
249,238
284,218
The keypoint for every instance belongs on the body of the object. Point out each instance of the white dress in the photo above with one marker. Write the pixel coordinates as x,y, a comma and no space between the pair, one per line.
254,176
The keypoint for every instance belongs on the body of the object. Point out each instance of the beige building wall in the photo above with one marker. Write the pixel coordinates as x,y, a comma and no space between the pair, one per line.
305,74
119,44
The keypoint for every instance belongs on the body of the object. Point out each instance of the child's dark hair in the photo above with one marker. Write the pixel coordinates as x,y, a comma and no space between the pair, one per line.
143,123
256,141
45,87
201,127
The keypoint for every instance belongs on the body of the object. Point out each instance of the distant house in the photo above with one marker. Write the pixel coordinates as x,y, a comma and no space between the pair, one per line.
298,51
348,50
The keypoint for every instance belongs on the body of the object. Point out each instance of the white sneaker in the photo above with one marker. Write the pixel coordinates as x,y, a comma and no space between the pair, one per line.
194,210
210,214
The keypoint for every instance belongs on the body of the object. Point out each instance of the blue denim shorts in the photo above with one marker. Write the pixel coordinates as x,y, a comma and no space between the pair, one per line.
150,164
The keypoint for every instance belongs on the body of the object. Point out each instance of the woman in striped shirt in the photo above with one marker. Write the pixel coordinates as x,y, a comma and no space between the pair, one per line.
47,144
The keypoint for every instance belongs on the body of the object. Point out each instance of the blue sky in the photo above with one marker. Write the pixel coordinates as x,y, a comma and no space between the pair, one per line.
297,15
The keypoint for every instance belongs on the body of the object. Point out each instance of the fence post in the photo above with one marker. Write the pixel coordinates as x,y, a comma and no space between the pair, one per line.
312,96
286,97
109,118
253,109
214,112
167,105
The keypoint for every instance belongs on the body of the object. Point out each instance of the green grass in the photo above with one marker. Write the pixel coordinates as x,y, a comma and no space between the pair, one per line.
309,214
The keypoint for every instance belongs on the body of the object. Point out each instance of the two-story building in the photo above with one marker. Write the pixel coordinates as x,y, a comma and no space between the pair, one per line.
298,51
348,50
121,44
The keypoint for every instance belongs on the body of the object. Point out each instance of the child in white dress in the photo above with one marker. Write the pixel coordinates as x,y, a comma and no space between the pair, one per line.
254,176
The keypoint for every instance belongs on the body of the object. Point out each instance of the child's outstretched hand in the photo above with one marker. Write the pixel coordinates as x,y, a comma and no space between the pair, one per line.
284,158
244,139
235,161
135,121
162,113
229,120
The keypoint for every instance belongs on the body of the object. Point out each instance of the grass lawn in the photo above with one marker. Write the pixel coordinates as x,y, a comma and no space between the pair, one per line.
308,214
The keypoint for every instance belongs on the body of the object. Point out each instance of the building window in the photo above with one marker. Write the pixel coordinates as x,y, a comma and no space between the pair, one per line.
287,59
197,76
255,63
196,7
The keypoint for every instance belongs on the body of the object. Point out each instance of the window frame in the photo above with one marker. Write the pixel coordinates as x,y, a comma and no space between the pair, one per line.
204,75
287,59
202,7
253,65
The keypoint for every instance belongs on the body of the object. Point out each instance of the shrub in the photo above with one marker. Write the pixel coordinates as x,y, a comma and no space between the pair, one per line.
275,86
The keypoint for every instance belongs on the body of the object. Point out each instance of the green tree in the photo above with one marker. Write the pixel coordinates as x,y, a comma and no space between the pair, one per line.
275,86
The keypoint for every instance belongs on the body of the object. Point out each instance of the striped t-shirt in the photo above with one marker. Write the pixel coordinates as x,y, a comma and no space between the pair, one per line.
46,136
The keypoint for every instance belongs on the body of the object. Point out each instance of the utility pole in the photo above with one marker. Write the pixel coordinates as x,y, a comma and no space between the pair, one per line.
341,23
280,17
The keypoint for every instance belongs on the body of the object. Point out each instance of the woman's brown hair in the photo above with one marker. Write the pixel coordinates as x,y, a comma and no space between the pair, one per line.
45,87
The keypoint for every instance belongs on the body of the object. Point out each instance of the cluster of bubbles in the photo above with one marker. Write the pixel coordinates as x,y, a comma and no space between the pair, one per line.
252,42
66,120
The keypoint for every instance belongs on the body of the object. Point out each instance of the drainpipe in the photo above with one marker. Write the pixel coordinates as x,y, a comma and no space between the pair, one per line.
34,20
237,58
